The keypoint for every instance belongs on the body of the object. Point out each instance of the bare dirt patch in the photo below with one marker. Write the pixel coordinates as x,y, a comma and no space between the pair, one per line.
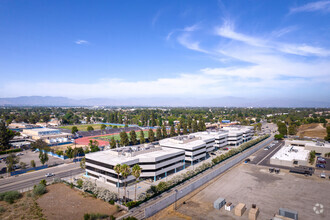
24,208
315,130
62,202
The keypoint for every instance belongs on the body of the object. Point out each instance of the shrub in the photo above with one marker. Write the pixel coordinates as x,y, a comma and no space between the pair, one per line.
112,202
71,185
106,194
2,209
88,186
130,218
131,204
40,189
80,183
10,196
43,182
95,216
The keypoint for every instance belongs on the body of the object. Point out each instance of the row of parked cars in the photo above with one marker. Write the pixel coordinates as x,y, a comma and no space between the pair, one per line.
321,162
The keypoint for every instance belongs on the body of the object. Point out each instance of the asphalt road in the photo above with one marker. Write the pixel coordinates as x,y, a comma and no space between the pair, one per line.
262,157
27,180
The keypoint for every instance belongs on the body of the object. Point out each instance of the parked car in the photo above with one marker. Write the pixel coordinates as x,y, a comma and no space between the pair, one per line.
322,175
266,148
213,154
19,154
322,161
247,160
320,165
49,174
226,148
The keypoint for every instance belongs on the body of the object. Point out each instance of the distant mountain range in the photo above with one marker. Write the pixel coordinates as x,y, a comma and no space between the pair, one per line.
160,101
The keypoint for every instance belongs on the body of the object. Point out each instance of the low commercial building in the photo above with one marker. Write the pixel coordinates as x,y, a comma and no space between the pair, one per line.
156,162
290,156
235,136
194,147
319,147
50,136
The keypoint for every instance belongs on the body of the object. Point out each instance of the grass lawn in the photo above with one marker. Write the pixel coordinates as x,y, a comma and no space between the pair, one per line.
117,136
84,127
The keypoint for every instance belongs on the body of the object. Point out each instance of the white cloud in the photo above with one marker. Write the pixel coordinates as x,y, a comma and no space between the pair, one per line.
81,42
227,31
313,6
191,28
185,41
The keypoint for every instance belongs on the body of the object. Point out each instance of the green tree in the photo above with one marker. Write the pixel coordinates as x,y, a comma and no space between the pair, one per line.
74,130
194,126
185,130
83,163
164,132
172,131
151,135
103,126
133,138
112,143
5,136
23,165
43,156
282,129
142,140
117,169
158,133
94,146
41,145
327,137
136,171
292,129
90,128
11,160
124,141
125,172
32,163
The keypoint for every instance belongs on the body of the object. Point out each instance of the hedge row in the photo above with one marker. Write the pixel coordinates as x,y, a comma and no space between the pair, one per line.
10,151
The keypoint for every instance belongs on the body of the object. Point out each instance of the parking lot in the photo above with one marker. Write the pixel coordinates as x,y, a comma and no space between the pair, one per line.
251,184
28,155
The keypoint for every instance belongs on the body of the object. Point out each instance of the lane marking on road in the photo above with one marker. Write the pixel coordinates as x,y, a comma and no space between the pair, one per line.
280,145
30,179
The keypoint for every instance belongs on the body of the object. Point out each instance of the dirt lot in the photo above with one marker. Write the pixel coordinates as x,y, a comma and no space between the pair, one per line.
315,130
24,208
62,202
252,184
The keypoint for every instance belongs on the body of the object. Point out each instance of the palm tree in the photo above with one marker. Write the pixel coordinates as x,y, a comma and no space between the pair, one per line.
125,172
117,168
136,171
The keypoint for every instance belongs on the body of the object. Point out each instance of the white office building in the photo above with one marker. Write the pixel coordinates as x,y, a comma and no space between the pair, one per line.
156,162
194,147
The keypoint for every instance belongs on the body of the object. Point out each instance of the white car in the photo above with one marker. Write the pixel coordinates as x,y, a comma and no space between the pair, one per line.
323,175
49,174
19,154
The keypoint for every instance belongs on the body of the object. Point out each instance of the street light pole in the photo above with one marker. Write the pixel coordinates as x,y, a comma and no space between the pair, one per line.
176,195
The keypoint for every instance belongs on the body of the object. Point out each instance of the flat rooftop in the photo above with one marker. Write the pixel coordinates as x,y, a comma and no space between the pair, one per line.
182,144
307,143
113,157
290,153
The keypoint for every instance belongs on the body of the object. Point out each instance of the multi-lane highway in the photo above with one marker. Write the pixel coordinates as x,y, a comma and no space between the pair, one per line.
27,180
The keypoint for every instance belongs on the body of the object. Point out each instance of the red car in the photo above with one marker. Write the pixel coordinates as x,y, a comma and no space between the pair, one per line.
322,161
226,148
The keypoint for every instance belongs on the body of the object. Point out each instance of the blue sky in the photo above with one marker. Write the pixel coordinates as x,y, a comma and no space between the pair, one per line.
204,49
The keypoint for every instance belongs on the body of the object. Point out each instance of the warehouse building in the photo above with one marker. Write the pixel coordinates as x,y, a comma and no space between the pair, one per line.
50,136
156,163
290,156
319,147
